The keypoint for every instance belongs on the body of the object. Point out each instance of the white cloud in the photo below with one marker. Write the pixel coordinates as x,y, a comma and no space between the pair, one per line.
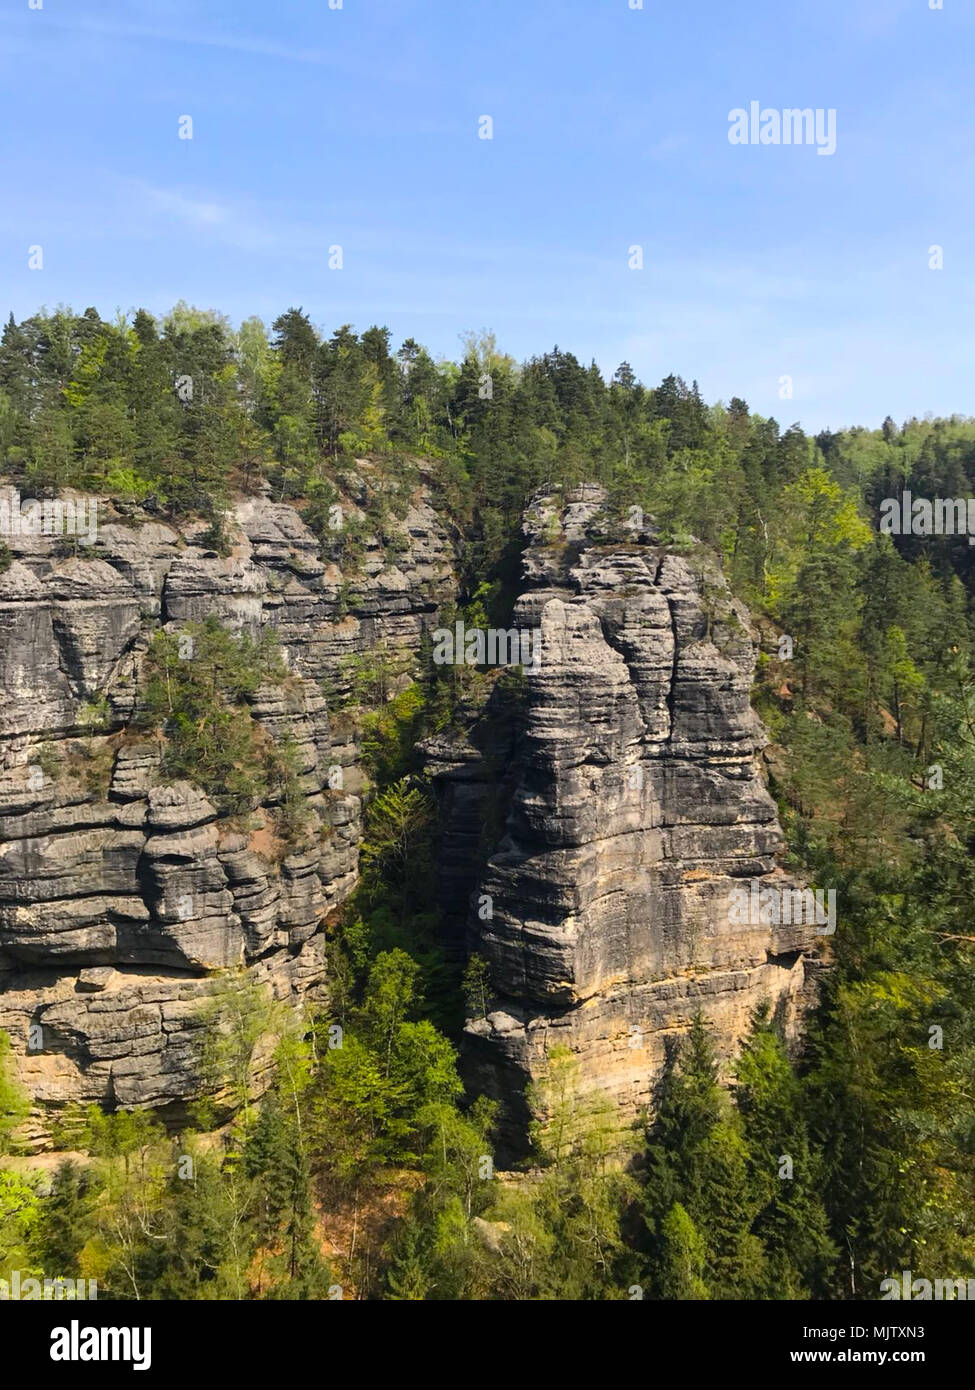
195,211
261,47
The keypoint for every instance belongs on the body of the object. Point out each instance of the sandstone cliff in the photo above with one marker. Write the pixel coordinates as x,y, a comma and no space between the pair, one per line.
633,805
595,817
120,892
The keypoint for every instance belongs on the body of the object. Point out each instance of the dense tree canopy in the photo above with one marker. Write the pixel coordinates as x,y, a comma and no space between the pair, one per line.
817,1175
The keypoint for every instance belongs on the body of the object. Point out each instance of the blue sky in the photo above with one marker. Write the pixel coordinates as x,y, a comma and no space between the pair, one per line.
358,127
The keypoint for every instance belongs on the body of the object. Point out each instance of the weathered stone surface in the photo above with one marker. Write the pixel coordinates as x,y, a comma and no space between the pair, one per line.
636,806
95,978
134,1039
592,828
119,894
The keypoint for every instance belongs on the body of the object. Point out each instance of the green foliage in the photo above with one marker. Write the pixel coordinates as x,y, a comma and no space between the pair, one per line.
371,675
14,1103
390,735
476,985
198,685
64,1218
179,415
558,1236
785,1173
115,1135
683,1256
395,846
697,1159
238,1016
20,1210
389,1067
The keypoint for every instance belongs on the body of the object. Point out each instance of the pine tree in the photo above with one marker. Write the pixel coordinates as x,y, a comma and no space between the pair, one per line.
696,1158
785,1177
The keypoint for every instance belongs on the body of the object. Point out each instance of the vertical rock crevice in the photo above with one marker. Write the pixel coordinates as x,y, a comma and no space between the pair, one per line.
638,806
622,790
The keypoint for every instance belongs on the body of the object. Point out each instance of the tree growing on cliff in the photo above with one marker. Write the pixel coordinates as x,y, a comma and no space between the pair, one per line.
396,844
241,1020
14,1102
476,985
198,683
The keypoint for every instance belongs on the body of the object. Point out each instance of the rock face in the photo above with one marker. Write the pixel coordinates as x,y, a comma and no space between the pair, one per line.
119,894
595,817
634,807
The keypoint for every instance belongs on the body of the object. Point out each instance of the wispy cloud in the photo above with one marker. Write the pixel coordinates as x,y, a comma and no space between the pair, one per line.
213,220
195,211
258,46
233,224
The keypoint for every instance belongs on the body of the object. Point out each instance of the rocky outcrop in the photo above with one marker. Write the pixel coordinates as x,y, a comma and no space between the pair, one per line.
121,894
595,816
634,807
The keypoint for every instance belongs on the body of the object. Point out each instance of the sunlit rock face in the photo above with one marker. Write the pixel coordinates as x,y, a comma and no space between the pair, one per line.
636,805
593,819
120,893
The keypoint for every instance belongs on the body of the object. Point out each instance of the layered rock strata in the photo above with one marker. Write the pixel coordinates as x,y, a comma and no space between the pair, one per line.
595,819
636,806
121,894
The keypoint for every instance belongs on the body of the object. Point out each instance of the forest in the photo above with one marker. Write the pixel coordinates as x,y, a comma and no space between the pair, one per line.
871,763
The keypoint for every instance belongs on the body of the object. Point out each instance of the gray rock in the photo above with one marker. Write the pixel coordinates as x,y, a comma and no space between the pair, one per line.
623,791
635,804
120,894
95,978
